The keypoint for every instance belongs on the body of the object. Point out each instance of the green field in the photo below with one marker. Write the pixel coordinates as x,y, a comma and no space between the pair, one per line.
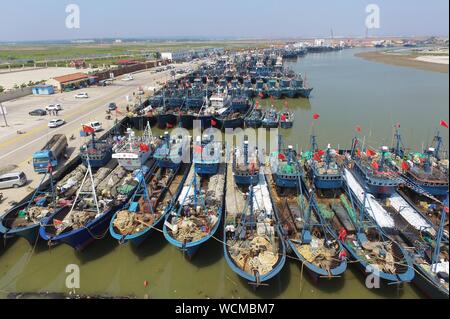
98,54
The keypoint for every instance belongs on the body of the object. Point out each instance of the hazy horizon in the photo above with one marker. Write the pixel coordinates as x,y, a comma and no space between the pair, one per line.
208,20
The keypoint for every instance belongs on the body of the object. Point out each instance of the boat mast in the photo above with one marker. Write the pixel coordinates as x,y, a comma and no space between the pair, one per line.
306,231
398,143
384,150
437,249
313,142
438,143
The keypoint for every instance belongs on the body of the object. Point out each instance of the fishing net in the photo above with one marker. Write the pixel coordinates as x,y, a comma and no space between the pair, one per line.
325,212
348,207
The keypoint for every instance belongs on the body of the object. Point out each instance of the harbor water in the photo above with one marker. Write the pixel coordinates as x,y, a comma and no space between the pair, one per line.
348,92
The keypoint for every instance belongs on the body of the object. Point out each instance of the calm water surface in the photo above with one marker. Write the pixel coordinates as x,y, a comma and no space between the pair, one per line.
348,91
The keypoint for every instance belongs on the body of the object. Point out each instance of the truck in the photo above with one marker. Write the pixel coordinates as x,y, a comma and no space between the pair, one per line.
50,153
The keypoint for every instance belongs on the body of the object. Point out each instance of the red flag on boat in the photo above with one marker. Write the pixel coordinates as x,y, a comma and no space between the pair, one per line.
398,125
375,165
281,156
358,153
370,153
198,149
317,157
358,129
213,122
405,166
144,147
444,124
321,152
87,129
57,222
316,116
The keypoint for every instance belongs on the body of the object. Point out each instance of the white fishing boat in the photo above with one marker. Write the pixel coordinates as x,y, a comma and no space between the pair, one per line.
134,151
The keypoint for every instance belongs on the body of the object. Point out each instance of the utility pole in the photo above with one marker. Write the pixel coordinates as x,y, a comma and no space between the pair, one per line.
3,111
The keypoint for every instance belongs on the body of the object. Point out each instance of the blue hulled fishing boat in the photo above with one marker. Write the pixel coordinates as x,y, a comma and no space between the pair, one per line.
99,152
207,155
286,167
325,167
253,245
245,171
255,117
306,233
170,151
88,217
367,242
271,118
371,170
425,172
24,219
196,216
149,205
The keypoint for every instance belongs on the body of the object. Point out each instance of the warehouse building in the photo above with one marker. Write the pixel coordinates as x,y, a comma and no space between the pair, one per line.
70,82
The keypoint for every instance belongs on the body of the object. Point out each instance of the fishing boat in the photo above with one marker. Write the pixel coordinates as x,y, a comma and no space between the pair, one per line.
89,215
367,241
253,245
207,155
427,242
425,172
196,216
286,167
171,150
24,219
271,118
325,167
149,205
255,117
372,171
306,233
99,152
133,152
246,170
286,119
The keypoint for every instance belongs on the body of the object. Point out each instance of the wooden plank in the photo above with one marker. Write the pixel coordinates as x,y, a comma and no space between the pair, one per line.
343,217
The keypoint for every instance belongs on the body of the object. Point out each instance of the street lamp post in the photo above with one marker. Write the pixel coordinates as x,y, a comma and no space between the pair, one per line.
3,111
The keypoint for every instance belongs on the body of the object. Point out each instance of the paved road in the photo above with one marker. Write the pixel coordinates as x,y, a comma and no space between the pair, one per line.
18,149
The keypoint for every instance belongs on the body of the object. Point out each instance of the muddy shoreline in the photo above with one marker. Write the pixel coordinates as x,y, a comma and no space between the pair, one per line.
403,60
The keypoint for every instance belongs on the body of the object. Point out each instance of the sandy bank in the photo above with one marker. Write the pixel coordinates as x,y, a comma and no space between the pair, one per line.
407,61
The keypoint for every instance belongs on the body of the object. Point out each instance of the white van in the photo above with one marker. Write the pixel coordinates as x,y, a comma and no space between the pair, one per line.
15,179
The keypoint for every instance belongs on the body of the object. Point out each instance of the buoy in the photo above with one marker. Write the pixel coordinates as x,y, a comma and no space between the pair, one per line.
145,283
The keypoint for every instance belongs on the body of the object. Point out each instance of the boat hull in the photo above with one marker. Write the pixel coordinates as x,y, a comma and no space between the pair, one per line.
286,181
286,125
79,239
166,119
425,284
322,183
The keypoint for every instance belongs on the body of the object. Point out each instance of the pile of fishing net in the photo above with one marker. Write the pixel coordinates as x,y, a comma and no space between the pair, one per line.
190,229
257,255
127,223
383,255
325,211
316,253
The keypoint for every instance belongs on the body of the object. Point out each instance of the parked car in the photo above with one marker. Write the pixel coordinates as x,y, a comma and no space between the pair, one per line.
15,179
96,125
83,95
56,123
112,106
54,107
38,112
128,77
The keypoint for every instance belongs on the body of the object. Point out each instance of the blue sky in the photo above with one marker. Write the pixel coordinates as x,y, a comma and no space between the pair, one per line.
45,19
